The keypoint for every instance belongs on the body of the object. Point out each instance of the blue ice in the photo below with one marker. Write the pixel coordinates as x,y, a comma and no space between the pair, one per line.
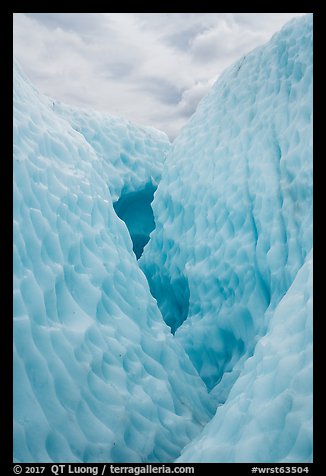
202,349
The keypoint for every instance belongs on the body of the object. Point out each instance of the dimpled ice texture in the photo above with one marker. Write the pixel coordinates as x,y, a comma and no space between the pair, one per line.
233,209
233,215
97,375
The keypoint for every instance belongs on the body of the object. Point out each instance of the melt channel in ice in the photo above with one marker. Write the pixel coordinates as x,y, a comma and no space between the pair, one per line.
233,214
97,374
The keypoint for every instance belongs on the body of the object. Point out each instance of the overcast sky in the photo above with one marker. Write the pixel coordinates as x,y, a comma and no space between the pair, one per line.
151,68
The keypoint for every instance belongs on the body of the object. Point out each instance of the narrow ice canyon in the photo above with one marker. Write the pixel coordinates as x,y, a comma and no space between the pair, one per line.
163,292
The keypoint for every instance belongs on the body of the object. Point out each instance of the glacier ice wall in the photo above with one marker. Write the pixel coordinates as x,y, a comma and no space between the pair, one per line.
97,375
268,414
133,155
233,210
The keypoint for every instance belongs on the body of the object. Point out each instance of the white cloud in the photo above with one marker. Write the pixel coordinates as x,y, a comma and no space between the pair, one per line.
191,97
152,68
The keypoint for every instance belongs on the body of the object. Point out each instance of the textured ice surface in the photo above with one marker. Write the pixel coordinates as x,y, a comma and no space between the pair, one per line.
133,158
133,155
268,414
97,375
233,210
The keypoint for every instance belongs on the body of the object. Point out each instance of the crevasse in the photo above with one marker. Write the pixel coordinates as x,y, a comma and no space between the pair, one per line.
97,375
233,210
225,243
134,208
